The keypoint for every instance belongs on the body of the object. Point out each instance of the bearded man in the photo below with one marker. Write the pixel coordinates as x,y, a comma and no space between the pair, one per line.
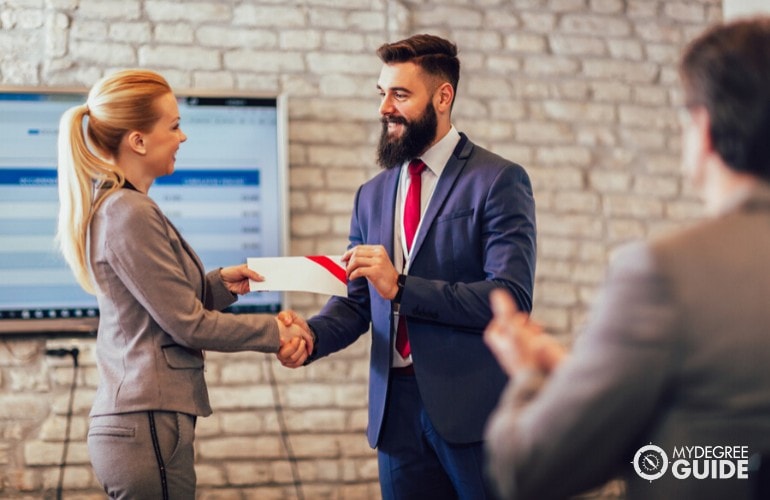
444,224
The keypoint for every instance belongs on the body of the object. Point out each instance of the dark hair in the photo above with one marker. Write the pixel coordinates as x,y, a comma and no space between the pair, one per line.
727,71
436,56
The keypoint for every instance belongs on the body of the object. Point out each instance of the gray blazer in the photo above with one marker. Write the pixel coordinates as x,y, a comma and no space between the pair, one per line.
675,354
158,311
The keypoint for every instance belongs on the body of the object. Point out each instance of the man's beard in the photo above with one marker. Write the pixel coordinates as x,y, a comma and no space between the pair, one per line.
414,140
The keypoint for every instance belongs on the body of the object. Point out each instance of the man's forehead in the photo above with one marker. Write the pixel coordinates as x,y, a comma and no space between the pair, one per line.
400,75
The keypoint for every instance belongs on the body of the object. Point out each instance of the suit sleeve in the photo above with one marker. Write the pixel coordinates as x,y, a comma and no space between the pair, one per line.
507,236
592,412
344,319
218,296
138,247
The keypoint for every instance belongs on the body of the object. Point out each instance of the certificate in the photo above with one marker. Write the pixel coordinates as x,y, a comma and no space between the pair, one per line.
313,273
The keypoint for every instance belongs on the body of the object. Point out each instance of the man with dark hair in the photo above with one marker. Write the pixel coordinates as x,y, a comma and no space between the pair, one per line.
431,236
669,384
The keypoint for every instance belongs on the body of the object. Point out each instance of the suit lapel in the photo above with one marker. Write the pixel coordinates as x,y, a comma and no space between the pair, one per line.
388,210
194,257
446,182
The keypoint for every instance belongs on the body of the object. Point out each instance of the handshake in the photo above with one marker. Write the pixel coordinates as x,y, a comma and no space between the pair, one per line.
297,340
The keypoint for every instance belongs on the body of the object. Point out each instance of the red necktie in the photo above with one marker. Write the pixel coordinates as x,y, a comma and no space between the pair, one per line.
411,221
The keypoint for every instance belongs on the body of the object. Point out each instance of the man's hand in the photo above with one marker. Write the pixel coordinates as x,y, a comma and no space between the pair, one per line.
236,278
372,262
294,349
518,343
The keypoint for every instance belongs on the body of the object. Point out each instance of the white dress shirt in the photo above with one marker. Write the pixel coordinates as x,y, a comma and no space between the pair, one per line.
435,160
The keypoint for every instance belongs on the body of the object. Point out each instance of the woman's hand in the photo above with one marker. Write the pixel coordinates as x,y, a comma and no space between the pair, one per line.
236,278
297,340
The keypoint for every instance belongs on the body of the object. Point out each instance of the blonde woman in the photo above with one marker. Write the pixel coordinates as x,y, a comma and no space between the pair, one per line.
158,308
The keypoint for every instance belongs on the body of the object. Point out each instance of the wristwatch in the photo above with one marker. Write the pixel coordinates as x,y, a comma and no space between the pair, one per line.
401,281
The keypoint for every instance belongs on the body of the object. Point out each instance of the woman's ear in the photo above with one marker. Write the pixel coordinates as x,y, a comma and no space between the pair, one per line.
135,142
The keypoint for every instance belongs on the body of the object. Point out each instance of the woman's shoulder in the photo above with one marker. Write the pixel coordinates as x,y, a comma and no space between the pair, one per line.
129,207
127,198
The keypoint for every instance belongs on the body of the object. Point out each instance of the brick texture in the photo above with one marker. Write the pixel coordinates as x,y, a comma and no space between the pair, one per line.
581,92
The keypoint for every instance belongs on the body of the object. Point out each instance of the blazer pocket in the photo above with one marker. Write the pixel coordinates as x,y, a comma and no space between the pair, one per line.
181,358
457,246
468,212
112,431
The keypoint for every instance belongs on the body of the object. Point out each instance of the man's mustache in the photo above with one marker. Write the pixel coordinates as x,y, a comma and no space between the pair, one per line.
394,119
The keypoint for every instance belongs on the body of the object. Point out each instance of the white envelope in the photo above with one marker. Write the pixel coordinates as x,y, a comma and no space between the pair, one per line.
312,273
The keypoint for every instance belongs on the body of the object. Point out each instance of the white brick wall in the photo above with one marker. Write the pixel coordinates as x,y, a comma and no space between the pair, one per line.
580,92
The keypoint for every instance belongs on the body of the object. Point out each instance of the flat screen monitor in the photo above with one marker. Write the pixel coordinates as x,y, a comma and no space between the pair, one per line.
227,197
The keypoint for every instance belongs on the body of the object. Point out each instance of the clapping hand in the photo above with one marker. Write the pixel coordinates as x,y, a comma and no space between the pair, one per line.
517,342
299,342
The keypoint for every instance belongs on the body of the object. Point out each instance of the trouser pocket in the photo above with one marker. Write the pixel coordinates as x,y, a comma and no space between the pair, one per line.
144,454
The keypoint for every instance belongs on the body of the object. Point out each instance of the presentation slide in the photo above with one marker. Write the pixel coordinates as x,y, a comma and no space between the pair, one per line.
226,197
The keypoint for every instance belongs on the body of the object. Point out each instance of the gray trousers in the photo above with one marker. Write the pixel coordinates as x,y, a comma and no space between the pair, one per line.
144,455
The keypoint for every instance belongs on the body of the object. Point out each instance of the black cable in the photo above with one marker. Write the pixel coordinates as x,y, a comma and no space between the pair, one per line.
74,352
284,431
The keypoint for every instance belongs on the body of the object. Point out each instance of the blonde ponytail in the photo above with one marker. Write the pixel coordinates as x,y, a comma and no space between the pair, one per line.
117,104
80,173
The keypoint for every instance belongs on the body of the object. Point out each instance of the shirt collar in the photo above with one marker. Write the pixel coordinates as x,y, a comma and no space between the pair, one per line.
437,156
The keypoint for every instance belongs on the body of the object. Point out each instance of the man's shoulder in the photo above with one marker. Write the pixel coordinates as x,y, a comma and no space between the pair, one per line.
385,176
699,235
481,157
725,242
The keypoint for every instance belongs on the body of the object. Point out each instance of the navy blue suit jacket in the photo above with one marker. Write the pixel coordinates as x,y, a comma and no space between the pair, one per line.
477,234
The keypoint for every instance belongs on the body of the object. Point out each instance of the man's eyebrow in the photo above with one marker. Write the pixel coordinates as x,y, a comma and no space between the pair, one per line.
395,89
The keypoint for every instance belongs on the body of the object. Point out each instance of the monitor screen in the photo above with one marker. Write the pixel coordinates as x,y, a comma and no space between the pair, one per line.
227,197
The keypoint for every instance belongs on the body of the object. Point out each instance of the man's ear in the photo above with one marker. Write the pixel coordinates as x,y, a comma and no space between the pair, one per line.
702,121
135,142
445,95
697,146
